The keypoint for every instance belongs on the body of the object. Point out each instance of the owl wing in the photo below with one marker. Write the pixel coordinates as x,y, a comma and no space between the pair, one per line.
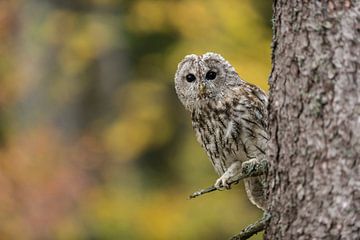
249,112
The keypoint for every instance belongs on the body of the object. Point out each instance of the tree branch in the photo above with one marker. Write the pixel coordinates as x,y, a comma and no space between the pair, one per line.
249,169
253,228
210,189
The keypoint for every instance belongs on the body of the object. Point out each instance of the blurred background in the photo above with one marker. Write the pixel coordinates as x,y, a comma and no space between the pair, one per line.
94,143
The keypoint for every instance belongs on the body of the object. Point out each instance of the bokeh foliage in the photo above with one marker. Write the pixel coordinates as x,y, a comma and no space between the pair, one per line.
93,141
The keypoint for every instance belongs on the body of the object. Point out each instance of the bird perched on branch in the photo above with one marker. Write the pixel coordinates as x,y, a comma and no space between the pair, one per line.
229,117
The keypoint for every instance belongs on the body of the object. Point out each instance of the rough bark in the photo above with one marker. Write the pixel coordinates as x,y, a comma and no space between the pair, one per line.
314,175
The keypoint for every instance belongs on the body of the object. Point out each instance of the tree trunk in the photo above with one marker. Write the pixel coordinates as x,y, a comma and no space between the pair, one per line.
314,151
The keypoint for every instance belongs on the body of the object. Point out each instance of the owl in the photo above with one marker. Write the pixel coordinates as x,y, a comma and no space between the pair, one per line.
229,117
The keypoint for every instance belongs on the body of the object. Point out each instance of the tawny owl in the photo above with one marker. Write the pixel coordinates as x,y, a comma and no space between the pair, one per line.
229,117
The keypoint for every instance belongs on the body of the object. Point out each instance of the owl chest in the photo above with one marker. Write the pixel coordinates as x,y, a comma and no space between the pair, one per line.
220,136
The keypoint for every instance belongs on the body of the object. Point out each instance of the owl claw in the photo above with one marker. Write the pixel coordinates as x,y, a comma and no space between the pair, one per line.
231,174
222,183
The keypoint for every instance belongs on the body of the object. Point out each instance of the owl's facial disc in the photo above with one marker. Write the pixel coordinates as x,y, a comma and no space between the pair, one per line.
200,78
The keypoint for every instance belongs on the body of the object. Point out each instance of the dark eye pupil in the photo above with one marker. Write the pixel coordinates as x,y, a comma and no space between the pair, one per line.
190,77
210,75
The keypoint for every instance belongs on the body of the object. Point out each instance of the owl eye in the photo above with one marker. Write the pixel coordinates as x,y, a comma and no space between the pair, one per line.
190,77
210,75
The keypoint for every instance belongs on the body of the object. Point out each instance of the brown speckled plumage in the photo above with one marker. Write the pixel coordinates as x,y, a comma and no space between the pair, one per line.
229,117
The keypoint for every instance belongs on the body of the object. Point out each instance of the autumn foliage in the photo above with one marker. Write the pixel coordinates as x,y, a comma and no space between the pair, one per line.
93,141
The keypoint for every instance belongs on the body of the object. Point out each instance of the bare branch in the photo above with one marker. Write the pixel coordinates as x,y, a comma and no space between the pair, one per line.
249,169
210,189
253,228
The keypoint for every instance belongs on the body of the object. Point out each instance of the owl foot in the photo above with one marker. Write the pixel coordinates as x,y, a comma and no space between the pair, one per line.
231,174
254,167
234,174
222,183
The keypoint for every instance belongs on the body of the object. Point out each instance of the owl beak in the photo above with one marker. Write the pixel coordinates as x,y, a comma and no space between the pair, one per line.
202,90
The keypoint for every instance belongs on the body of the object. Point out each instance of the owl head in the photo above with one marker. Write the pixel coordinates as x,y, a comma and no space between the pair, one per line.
201,78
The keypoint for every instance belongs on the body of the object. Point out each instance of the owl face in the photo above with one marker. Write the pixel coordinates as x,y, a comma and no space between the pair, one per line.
200,78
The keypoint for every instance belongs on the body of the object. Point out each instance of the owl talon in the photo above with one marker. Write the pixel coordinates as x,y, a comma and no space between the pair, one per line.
218,185
222,183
